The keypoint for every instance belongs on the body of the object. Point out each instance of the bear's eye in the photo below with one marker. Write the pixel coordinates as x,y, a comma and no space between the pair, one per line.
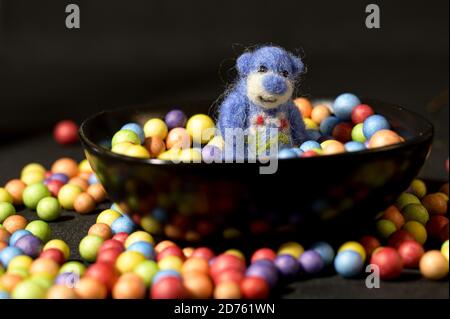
262,69
285,73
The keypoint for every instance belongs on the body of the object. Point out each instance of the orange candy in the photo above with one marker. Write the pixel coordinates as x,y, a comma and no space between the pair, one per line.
9,281
4,235
90,288
66,166
394,215
97,192
129,286
179,138
384,138
15,222
319,113
61,292
84,203
163,245
44,265
198,285
100,230
333,147
154,145
80,182
15,188
195,264
84,175
227,290
435,204
304,105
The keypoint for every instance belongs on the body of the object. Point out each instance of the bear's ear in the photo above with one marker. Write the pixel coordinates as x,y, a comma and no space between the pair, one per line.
297,64
243,63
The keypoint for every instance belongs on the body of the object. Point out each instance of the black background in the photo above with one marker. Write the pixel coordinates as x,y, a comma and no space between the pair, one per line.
137,51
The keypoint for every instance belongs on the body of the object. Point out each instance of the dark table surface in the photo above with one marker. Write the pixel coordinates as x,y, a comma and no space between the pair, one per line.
72,227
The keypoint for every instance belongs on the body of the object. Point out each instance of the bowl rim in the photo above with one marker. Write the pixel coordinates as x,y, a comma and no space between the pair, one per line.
427,134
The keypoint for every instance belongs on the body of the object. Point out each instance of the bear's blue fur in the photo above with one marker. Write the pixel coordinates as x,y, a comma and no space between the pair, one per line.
280,69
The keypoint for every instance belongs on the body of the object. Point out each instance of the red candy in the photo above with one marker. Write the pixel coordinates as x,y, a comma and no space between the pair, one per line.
361,112
343,132
309,153
111,244
229,275
263,253
254,288
66,132
108,256
54,254
370,243
54,186
226,261
104,273
411,252
203,252
121,237
397,238
168,288
171,251
389,262
435,225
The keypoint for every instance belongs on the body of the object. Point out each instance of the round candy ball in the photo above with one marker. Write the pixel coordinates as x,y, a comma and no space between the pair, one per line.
97,192
389,262
354,146
198,285
200,252
90,288
385,228
384,138
433,265
373,124
397,238
417,230
393,214
21,261
444,249
100,230
108,216
175,118
144,248
104,273
125,136
128,260
309,145
304,106
123,224
354,246
319,113
291,248
287,265
254,288
17,235
89,247
201,128
129,286
435,204
28,289
136,128
406,199
84,203
357,133
66,132
287,153
30,245
34,193
14,223
361,112
325,251
155,127
137,151
195,264
168,288
416,212
154,145
261,270
60,245
7,254
40,229
53,254
411,252
332,147
75,267
15,189
343,132
311,262
344,104
65,165
348,264
54,186
6,210
263,253
139,236
146,270
67,195
435,225
48,209
61,292
418,188
227,290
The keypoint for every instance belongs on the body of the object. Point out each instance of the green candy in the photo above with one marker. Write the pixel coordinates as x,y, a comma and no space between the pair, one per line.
357,133
28,289
418,188
123,136
5,196
385,228
45,281
406,199
34,193
2,270
40,229
73,267
146,270
48,209
416,212
6,210
89,247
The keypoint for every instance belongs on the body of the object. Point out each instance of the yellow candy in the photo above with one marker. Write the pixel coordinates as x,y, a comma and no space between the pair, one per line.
33,167
170,155
236,253
417,230
138,151
139,236
24,273
84,166
291,248
171,262
151,225
354,246
60,245
190,155
5,196
128,260
32,177
310,124
21,261
67,195
155,127
201,128
108,216
121,148
444,249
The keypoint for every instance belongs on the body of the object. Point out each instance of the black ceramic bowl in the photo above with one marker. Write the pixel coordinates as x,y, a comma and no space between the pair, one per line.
320,197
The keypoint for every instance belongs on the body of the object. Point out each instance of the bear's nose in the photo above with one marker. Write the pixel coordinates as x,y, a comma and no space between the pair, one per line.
274,84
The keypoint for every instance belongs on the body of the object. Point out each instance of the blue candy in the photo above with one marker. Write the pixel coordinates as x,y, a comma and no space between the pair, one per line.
93,179
297,151
144,248
4,295
286,153
309,145
325,251
348,264
17,235
354,146
165,273
123,224
136,128
7,254
344,104
373,124
328,124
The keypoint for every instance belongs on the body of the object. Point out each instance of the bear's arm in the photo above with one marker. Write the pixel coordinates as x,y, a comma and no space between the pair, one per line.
298,130
232,112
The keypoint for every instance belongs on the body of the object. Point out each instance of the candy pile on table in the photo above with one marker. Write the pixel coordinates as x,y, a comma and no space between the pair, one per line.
346,125
121,261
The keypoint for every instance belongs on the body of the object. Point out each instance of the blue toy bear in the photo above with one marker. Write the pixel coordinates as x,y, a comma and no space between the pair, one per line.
260,102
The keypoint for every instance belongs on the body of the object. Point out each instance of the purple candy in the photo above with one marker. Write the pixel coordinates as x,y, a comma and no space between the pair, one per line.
287,265
311,262
175,118
267,273
59,177
67,279
30,245
211,153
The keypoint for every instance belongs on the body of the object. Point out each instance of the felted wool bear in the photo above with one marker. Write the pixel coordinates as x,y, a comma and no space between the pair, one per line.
260,102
